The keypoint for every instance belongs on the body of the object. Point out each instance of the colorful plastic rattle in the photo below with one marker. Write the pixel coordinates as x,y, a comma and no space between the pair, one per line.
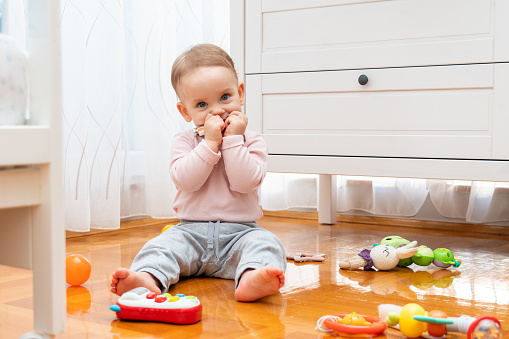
413,321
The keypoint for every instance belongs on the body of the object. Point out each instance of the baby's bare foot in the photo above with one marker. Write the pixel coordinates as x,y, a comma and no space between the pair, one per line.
256,284
123,280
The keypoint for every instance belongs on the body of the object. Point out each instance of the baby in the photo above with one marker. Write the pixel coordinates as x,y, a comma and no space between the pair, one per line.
217,171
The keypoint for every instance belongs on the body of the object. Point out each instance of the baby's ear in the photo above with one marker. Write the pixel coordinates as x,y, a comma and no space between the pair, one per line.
242,92
183,111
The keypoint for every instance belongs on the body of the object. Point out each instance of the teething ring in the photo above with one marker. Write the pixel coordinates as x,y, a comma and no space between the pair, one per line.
377,325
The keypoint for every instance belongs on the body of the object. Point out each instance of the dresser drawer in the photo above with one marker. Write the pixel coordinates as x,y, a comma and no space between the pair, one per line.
429,112
289,36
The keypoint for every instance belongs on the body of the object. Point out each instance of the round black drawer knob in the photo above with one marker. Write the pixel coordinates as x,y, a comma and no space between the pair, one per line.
363,79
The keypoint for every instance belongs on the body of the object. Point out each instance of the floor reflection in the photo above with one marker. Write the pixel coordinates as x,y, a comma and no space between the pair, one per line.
303,276
79,300
130,329
401,280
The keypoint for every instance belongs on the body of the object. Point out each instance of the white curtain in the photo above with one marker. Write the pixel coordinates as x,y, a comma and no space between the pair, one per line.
119,106
476,202
381,196
283,191
471,201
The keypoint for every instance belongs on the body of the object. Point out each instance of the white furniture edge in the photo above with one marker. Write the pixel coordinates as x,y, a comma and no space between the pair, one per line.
25,145
456,169
20,187
48,231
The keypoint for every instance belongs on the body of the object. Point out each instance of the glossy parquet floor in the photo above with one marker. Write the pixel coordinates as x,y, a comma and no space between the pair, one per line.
480,286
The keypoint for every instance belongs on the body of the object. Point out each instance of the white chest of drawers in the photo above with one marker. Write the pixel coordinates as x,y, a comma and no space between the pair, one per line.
402,88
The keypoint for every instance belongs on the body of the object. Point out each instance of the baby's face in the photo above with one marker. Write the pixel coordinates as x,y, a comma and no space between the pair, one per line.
209,91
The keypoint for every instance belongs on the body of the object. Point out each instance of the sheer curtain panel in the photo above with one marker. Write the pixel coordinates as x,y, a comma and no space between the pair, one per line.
475,202
380,196
119,106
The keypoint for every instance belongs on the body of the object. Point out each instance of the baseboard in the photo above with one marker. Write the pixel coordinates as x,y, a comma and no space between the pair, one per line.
461,228
143,222
292,214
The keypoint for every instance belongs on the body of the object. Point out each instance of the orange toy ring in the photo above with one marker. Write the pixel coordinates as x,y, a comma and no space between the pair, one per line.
377,325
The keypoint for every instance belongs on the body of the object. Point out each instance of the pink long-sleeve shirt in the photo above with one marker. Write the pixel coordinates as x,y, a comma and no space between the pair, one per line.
218,186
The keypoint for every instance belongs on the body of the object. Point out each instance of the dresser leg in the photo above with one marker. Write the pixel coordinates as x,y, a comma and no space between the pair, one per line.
327,199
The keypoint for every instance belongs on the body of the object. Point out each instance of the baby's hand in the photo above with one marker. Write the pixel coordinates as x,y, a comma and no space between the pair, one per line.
213,131
236,124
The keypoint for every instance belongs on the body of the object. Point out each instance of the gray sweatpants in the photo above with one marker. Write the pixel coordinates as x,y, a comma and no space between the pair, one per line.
221,250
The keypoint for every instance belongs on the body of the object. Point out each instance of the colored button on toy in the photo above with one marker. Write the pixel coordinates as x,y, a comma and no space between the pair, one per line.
151,295
174,298
160,299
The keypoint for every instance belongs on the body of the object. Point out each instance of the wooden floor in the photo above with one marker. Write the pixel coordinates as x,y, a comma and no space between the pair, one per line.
480,286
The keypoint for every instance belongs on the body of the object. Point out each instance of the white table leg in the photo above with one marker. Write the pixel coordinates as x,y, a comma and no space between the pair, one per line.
48,256
327,199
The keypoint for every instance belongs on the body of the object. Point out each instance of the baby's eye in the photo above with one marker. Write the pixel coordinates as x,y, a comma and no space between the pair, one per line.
225,97
201,104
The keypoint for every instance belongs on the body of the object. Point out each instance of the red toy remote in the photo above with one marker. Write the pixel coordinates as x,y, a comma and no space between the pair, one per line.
141,304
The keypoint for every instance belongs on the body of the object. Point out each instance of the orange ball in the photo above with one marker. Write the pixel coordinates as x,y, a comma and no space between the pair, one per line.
435,330
77,269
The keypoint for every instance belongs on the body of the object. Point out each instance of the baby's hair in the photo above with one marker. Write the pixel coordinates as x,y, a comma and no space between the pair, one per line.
202,55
